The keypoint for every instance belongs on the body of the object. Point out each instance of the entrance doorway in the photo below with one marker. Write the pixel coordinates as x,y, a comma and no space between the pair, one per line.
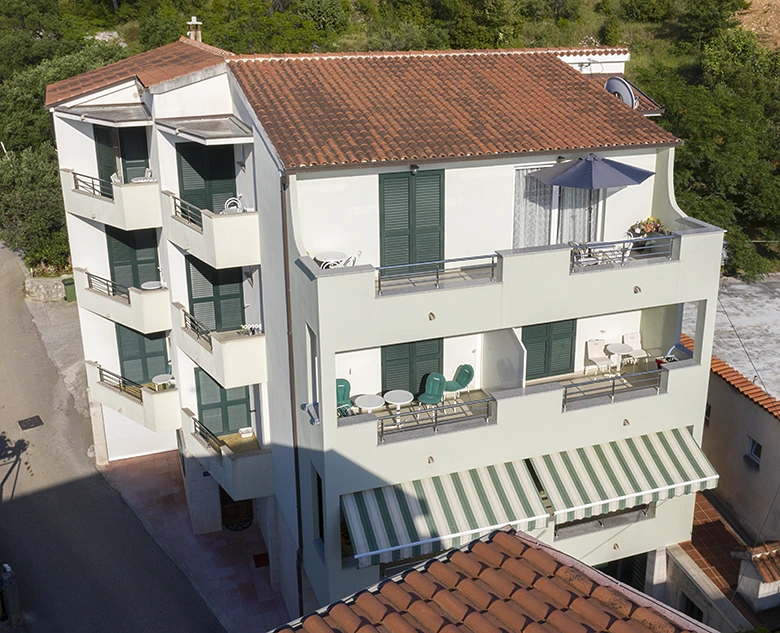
236,515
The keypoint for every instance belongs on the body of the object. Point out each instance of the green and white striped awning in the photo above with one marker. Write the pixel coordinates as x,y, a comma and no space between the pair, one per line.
393,523
604,478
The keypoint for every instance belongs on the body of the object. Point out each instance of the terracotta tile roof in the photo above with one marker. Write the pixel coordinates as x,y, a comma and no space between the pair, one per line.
151,67
646,105
503,583
339,109
737,380
766,558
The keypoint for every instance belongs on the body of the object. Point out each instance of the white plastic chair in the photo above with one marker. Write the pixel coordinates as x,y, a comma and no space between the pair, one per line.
634,339
352,260
597,355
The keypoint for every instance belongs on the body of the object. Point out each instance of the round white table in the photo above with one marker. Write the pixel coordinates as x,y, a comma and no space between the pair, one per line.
151,285
369,402
328,259
162,381
398,397
619,350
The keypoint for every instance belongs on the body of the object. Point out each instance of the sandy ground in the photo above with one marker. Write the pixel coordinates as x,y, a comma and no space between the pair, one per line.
763,17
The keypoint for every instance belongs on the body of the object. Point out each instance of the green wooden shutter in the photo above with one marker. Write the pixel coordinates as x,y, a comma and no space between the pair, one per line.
561,347
132,256
216,296
201,291
428,221
192,174
105,143
230,306
141,357
428,358
134,153
395,204
397,371
221,410
221,167
535,342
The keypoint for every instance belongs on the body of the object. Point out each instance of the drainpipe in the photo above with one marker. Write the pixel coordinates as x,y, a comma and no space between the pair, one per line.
293,405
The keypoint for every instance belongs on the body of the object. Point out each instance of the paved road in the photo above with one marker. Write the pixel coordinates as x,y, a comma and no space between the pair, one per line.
83,560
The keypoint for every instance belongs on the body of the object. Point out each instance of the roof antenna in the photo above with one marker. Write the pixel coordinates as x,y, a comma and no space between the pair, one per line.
194,32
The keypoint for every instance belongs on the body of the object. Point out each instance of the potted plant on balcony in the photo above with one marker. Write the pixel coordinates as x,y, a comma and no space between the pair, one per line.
649,228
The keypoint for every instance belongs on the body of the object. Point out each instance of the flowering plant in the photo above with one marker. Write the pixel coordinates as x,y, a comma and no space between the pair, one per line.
650,225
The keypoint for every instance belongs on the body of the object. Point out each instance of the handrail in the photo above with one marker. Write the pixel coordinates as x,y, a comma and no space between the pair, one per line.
584,390
197,328
108,287
433,267
121,383
187,212
621,252
93,186
436,416
212,440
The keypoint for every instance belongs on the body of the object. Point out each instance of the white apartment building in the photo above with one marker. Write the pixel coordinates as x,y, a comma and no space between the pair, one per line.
248,231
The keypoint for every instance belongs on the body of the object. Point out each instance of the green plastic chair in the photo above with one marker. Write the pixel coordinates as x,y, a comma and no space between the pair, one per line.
463,377
343,402
434,390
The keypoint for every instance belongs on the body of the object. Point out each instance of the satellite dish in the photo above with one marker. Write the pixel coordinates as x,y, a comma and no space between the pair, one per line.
620,88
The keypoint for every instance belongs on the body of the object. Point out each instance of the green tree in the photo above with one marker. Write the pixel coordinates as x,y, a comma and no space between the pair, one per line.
32,217
610,32
646,10
704,20
160,25
326,15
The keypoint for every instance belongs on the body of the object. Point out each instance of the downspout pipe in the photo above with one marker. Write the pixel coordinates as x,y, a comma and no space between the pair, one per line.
284,184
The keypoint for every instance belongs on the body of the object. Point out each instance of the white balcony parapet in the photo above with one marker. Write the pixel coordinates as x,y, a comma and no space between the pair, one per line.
222,240
240,465
145,311
157,410
127,206
234,359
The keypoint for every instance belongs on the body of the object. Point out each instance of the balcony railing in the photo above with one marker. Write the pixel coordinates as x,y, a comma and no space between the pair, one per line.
187,212
108,287
201,332
611,386
212,440
110,379
621,252
435,417
93,186
437,273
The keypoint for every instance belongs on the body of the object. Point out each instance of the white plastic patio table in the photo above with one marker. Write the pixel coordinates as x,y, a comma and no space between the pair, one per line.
328,258
369,402
162,380
398,397
619,350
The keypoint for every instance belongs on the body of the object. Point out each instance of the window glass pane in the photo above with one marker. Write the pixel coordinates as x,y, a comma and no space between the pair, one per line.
533,210
577,215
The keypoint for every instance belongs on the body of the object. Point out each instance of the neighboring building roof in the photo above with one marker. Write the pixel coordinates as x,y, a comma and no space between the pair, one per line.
358,108
742,384
151,67
505,582
766,558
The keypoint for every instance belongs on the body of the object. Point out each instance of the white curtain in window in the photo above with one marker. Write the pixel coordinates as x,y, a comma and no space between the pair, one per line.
533,210
577,215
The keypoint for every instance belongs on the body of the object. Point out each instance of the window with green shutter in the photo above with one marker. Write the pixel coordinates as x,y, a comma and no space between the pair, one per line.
405,366
216,296
222,411
132,256
411,215
134,152
207,175
107,150
549,349
141,356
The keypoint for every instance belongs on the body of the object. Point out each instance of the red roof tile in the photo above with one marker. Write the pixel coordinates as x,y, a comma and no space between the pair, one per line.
462,592
766,558
357,108
739,382
151,67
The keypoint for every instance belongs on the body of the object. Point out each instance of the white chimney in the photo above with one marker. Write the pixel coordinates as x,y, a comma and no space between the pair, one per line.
194,32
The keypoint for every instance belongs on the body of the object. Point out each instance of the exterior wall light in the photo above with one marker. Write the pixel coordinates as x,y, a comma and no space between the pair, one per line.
637,290
414,169
431,316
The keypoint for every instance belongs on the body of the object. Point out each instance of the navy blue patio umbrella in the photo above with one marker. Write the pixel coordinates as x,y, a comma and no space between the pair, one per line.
592,172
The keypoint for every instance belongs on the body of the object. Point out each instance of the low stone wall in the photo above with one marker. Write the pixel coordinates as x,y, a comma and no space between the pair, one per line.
45,288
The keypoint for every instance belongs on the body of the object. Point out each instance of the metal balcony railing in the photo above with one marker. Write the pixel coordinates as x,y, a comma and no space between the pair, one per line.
187,212
201,332
212,440
420,417
93,186
621,252
108,287
110,379
435,273
611,386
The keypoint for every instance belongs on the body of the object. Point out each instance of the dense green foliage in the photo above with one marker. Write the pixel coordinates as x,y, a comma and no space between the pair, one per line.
720,86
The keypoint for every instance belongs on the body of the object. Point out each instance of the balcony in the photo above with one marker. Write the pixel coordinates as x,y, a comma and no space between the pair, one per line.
157,410
599,256
234,359
145,311
222,240
127,206
240,465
